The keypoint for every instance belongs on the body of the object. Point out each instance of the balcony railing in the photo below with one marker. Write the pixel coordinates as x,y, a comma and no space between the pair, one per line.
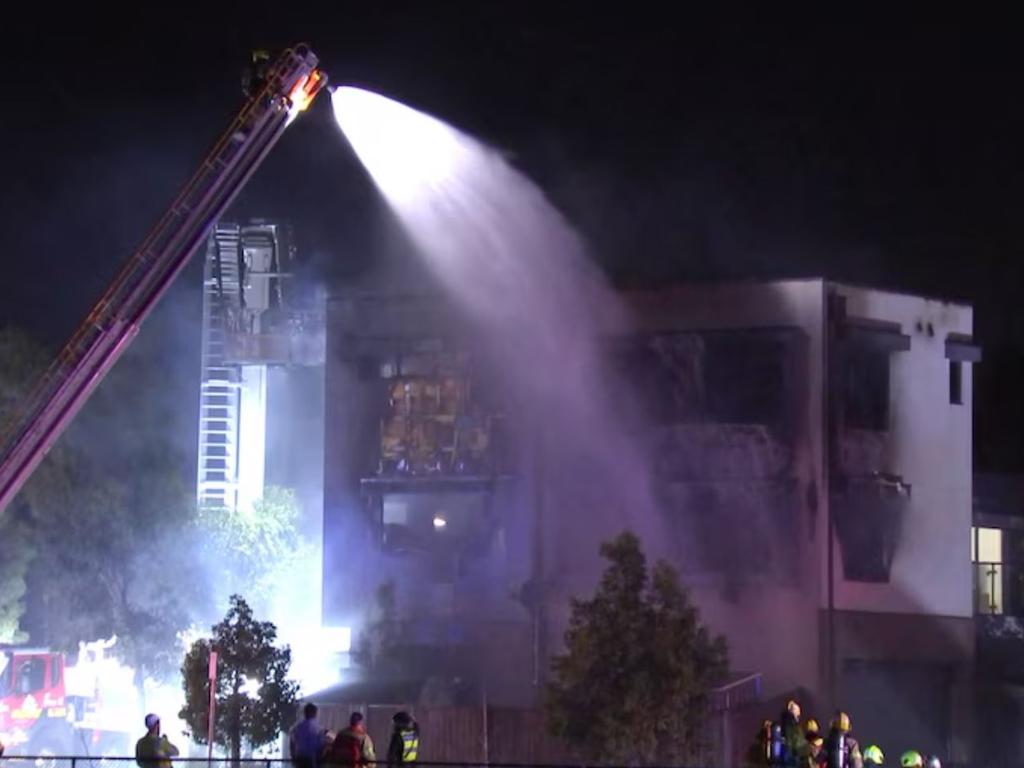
998,589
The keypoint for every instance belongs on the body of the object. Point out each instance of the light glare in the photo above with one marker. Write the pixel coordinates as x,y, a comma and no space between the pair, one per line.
408,153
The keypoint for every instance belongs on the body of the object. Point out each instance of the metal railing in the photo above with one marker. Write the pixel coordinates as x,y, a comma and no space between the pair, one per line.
86,761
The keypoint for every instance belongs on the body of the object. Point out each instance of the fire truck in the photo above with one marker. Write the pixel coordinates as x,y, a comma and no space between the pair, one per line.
48,708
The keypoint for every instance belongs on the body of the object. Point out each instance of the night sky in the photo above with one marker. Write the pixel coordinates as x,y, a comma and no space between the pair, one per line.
879,150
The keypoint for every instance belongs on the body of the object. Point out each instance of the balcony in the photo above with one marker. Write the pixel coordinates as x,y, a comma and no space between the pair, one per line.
998,589
999,618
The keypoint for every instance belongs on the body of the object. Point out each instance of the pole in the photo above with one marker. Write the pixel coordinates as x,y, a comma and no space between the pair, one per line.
538,575
213,708
487,743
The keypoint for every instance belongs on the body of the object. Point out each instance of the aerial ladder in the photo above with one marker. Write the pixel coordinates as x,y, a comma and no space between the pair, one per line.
286,88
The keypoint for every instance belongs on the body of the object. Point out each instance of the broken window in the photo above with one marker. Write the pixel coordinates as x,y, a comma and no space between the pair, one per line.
438,418
868,517
745,378
866,389
658,379
728,377
956,396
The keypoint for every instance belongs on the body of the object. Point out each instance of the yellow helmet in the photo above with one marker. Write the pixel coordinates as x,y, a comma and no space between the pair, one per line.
911,759
841,722
793,708
811,726
873,754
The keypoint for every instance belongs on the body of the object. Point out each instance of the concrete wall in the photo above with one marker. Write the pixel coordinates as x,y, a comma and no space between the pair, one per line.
770,628
930,446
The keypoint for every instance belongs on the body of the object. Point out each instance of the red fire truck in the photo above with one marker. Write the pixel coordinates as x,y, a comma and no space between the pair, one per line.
38,717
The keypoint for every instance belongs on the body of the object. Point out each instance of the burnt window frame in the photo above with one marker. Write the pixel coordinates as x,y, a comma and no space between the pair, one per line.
956,382
863,409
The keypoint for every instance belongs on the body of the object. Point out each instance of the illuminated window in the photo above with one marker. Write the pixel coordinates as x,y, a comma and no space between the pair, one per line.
987,556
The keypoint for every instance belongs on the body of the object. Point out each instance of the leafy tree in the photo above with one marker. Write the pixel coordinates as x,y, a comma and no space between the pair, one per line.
121,511
22,360
126,537
258,549
110,500
15,555
632,686
246,658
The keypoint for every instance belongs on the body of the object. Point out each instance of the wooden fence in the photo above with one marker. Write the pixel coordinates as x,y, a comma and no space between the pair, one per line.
508,735
461,734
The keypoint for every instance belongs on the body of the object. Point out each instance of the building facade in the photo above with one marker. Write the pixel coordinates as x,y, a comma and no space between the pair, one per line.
806,444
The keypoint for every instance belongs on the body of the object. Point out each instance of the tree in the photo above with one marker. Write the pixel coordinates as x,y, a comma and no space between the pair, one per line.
247,659
632,686
22,360
259,549
117,506
125,535
15,555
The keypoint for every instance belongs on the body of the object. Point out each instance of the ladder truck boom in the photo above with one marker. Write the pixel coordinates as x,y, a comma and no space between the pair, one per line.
289,86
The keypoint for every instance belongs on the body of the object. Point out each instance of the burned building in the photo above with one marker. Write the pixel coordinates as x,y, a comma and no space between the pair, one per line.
866,493
805,456
419,481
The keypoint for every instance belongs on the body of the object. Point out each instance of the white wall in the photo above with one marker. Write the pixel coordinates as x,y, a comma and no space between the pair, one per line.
252,435
930,447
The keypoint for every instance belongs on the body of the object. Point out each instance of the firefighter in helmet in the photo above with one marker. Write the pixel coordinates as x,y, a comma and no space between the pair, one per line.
841,748
794,740
255,75
405,741
811,728
873,757
814,752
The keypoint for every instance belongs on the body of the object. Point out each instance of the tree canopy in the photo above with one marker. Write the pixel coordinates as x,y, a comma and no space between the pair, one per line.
256,550
110,500
255,701
632,686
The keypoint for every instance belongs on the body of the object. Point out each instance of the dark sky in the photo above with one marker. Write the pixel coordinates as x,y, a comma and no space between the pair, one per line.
882,150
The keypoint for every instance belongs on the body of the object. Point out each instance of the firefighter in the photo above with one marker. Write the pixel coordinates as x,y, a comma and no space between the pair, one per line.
814,752
873,757
255,75
911,759
794,741
405,741
353,746
760,751
811,728
841,749
154,750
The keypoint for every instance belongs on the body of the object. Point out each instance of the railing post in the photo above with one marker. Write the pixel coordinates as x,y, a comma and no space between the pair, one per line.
74,761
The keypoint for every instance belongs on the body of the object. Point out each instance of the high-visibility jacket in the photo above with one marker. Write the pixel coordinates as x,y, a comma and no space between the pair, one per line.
404,747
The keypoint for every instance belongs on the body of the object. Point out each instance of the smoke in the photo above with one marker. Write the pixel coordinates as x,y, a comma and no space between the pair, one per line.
516,267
